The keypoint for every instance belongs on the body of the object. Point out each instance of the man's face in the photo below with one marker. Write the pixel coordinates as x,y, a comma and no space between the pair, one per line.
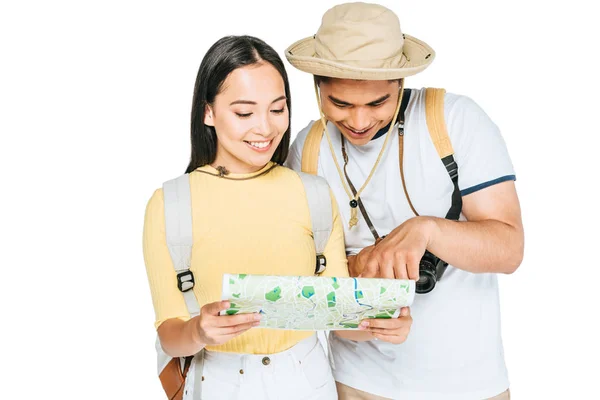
359,109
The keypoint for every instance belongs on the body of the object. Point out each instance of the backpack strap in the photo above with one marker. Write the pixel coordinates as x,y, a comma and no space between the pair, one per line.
178,222
436,124
312,147
321,215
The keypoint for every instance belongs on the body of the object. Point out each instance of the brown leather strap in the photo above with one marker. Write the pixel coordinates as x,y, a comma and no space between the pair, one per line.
172,377
401,146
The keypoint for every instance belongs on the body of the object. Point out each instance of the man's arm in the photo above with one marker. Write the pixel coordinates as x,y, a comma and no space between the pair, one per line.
491,240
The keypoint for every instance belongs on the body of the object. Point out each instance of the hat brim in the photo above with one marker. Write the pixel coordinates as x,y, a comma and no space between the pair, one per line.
302,56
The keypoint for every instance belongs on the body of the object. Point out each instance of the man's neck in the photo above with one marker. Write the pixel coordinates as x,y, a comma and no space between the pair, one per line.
384,130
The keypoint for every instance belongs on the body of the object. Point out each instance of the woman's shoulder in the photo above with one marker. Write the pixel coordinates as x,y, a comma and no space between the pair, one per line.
155,203
296,178
287,177
286,173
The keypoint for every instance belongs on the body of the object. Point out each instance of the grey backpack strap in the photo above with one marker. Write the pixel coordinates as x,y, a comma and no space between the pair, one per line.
178,222
321,214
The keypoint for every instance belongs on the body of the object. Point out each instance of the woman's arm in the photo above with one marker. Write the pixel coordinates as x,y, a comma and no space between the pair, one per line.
184,338
179,335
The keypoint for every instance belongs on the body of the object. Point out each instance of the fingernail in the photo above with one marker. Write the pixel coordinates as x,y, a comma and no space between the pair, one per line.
257,317
364,324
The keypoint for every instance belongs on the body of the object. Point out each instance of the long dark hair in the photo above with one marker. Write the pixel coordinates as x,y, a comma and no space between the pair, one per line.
226,55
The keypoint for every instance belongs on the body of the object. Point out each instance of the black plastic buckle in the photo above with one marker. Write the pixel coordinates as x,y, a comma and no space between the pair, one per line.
451,166
452,169
321,264
185,280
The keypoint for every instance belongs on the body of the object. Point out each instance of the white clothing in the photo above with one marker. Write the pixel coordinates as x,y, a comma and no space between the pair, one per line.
300,373
454,349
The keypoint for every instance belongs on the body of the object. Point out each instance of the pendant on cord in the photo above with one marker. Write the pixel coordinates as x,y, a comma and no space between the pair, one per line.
353,213
222,171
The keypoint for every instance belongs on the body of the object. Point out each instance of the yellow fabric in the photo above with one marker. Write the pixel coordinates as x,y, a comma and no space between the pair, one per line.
436,124
257,226
311,149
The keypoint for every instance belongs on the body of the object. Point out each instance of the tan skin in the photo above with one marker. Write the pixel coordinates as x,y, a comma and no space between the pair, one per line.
249,111
492,238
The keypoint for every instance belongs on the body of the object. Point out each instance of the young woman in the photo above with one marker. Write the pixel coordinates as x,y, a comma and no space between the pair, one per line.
250,215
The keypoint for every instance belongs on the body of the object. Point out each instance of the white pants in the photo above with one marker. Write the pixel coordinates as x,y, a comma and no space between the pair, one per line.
302,372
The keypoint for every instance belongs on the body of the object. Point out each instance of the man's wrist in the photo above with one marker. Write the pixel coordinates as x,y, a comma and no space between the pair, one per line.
429,228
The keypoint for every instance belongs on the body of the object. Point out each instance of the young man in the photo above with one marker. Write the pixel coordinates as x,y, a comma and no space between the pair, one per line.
397,186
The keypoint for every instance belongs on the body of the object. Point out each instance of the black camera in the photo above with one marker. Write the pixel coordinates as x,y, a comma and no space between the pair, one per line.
431,269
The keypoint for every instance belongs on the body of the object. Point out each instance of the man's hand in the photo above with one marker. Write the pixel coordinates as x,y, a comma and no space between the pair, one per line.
356,263
394,330
398,255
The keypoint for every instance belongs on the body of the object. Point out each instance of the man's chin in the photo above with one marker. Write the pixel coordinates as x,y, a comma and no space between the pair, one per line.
358,140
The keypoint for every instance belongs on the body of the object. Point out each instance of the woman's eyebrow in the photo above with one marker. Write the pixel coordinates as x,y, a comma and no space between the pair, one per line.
242,102
254,103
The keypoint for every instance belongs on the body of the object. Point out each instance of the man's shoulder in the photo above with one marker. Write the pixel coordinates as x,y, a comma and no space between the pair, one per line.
301,136
294,158
460,112
451,100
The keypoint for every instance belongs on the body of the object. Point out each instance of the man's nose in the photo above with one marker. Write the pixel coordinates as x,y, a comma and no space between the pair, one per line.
359,119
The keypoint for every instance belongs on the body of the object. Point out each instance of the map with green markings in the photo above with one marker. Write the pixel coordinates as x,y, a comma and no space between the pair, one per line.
314,302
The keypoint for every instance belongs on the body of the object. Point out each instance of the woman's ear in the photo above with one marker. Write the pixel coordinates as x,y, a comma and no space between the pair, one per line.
208,116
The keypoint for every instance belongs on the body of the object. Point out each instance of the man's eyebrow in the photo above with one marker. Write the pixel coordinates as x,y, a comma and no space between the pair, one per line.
338,101
254,103
379,100
372,103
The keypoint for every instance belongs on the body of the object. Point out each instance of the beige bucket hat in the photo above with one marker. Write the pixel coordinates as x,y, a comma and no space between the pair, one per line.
360,41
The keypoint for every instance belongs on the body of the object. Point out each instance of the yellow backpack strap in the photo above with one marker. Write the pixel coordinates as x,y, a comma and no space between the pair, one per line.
312,146
434,113
436,124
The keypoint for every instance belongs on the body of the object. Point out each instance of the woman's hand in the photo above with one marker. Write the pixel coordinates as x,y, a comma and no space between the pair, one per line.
214,329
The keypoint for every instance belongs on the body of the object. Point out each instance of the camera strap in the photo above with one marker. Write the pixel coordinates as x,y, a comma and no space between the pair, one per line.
434,113
434,106
361,206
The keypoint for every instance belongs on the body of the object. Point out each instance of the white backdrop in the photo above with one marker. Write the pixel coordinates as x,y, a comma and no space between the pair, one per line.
94,107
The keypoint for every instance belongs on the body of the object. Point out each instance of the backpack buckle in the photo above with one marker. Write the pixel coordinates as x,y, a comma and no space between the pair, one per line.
321,264
185,280
451,166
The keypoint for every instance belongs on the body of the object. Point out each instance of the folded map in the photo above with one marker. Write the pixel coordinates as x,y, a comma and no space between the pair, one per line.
315,302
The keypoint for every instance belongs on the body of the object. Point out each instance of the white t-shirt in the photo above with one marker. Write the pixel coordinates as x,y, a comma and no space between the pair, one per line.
454,349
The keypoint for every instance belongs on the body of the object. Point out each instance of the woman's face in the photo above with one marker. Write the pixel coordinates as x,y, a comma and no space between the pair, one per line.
250,116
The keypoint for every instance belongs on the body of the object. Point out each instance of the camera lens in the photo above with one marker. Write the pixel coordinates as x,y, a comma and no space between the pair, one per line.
427,276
